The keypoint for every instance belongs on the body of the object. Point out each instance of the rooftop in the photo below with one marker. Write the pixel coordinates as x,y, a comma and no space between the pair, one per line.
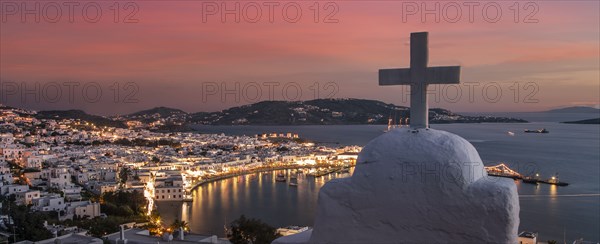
140,236
528,234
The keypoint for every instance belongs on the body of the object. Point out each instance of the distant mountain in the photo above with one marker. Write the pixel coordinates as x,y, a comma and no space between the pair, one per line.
312,112
328,112
160,111
585,121
172,115
577,109
320,111
81,115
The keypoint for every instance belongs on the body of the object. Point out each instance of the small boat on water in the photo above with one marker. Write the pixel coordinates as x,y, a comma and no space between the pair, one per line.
554,181
543,130
293,184
280,178
510,133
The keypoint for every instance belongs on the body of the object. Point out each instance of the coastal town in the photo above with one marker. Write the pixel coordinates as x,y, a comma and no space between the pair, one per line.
71,178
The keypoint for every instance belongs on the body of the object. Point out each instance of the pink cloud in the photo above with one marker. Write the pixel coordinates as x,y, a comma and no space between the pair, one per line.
171,43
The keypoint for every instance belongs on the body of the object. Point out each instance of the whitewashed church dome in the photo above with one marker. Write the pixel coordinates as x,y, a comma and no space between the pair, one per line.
419,156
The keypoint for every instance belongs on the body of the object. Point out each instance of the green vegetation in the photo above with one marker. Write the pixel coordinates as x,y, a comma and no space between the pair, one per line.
121,207
31,170
27,225
123,203
99,227
124,174
251,230
179,224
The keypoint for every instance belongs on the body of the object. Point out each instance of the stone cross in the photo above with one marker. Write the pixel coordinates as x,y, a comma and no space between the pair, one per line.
418,76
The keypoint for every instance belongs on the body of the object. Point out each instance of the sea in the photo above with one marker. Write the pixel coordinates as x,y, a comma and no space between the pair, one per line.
571,151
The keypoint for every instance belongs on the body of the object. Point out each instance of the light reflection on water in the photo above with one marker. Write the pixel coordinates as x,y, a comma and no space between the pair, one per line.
571,150
255,195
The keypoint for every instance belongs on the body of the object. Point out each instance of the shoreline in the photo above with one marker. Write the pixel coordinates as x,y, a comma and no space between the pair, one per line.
259,170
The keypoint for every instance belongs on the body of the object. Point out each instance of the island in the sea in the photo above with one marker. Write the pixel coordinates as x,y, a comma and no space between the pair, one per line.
312,112
575,109
595,121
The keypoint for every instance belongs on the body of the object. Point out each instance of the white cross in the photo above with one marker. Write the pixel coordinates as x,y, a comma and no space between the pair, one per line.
418,76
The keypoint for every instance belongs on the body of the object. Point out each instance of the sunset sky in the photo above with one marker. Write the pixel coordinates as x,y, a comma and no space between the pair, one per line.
173,56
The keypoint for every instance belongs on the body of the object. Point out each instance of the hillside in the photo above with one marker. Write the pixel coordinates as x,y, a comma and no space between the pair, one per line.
328,112
81,115
160,111
577,109
313,112
150,115
585,121
321,111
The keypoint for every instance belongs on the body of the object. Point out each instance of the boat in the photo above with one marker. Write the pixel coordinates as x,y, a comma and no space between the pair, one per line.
280,178
510,133
543,130
293,184
559,183
554,181
530,180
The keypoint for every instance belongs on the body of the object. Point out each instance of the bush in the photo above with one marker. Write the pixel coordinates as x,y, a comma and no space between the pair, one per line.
252,230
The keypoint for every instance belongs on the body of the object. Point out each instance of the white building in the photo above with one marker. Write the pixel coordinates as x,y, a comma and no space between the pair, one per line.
12,152
90,210
102,187
27,197
13,189
70,238
5,174
61,181
7,138
83,209
49,203
169,193
347,156
169,189
72,192
34,162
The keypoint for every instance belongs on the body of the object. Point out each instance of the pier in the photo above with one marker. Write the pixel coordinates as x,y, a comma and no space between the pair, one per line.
501,170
